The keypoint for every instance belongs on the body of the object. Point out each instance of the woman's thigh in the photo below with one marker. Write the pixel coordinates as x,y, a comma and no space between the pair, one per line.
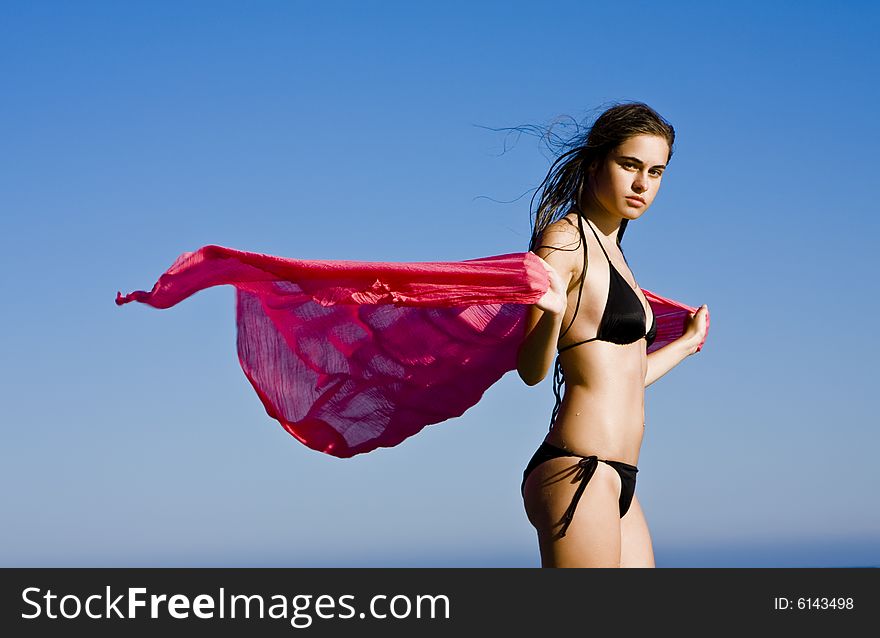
636,549
593,538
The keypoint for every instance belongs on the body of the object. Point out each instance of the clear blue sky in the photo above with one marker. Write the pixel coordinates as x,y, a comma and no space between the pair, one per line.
132,132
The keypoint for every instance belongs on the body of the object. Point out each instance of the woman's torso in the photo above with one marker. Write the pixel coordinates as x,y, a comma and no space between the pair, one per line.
603,407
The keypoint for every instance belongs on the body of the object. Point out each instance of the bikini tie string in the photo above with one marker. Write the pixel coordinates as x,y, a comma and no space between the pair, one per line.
586,466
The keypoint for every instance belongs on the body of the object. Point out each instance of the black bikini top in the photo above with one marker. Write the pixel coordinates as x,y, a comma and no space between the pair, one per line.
624,319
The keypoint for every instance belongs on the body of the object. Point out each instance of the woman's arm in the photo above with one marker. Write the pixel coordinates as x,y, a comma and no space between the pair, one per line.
544,318
666,358
538,349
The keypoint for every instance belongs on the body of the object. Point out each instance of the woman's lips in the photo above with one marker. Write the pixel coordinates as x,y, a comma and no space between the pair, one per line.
635,201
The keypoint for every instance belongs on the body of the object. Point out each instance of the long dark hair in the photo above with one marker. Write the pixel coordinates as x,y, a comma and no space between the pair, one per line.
567,178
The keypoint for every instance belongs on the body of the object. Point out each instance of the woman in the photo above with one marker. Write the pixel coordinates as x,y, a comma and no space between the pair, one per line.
579,487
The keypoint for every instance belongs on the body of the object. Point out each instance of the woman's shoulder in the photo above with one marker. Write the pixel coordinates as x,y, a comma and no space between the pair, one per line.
561,232
560,245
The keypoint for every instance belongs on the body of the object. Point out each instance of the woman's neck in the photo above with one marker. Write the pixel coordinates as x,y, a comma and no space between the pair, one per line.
607,225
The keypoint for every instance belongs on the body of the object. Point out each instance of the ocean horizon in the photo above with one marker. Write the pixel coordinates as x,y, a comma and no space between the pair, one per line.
852,553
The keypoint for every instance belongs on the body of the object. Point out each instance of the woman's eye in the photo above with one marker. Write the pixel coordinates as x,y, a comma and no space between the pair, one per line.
629,165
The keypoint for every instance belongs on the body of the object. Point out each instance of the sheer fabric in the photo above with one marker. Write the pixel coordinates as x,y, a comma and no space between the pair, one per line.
350,356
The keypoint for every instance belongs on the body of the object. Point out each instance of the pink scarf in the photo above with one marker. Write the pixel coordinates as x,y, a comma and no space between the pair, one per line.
350,356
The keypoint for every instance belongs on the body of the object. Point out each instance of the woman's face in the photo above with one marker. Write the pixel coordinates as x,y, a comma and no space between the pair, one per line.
633,170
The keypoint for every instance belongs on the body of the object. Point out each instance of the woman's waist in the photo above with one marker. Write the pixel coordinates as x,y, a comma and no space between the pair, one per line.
585,428
604,365
612,403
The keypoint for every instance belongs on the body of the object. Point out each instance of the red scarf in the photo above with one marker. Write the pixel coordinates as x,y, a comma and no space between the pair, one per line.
350,355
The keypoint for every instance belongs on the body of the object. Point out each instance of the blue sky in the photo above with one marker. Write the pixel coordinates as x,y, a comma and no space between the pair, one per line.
133,132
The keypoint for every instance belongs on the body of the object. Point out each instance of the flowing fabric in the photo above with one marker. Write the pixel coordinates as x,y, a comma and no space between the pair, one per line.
350,356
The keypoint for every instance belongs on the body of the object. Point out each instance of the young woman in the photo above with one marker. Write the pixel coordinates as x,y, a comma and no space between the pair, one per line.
579,487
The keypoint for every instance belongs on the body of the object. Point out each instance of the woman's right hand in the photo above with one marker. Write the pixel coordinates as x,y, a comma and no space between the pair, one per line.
555,300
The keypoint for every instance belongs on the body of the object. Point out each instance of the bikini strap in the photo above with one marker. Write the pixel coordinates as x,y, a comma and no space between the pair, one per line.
597,239
583,278
604,251
558,377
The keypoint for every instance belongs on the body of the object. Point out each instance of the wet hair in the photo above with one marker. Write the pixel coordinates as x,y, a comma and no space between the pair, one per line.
567,177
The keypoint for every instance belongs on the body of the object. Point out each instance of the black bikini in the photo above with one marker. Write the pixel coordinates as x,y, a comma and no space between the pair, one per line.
585,468
623,322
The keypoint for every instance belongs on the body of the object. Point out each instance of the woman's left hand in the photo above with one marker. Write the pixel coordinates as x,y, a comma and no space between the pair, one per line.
695,330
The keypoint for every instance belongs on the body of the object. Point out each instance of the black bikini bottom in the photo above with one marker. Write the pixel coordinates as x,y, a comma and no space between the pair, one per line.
586,466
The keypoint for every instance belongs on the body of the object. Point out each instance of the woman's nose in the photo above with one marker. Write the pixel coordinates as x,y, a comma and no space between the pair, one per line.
640,184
